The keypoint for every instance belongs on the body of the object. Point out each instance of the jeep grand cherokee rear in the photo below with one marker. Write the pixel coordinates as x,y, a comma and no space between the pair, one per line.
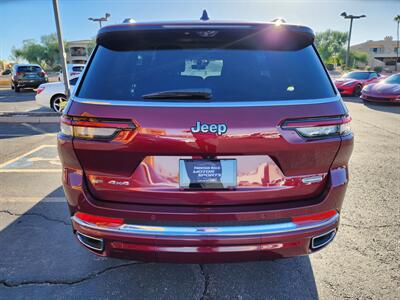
205,142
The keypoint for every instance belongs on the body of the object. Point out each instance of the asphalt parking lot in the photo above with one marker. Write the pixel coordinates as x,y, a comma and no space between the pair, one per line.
24,101
40,258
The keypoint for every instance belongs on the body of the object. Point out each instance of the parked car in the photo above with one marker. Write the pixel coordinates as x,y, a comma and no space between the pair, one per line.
52,95
205,142
73,70
352,83
387,90
27,76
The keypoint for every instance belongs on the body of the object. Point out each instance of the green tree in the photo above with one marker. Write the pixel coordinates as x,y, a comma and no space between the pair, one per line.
45,53
91,46
330,45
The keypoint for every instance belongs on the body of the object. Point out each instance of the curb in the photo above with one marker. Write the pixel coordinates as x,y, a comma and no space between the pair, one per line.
29,117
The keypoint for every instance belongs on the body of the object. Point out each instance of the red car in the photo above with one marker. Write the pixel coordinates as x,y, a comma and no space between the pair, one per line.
205,142
387,90
351,84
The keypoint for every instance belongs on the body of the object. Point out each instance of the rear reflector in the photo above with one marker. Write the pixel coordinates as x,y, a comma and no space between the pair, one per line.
320,127
315,217
99,220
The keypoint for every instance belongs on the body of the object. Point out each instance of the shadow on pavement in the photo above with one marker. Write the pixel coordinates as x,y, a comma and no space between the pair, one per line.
10,130
384,107
393,108
40,259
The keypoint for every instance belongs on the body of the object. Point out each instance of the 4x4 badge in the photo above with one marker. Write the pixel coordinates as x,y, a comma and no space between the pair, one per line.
205,128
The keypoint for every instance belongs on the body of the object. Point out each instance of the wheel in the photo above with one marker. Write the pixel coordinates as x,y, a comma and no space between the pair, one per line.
12,86
357,90
17,89
58,103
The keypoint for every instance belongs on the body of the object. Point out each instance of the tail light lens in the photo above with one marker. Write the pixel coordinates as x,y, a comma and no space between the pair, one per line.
314,128
93,128
19,73
99,220
42,74
39,90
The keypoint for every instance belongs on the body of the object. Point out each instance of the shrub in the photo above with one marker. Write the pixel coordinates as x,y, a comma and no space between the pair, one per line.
330,67
378,69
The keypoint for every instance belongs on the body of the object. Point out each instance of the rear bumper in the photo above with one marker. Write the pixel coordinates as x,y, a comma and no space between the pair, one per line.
167,240
206,244
29,83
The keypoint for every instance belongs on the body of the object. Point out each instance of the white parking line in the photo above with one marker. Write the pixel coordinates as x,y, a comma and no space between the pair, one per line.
38,130
27,170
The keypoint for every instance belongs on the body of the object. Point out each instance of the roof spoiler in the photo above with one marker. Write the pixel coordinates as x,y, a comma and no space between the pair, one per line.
144,36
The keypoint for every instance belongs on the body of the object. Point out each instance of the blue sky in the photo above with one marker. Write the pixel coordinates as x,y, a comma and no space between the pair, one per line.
24,19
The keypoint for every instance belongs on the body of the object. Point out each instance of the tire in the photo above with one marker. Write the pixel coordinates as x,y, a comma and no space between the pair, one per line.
12,86
57,103
357,91
17,89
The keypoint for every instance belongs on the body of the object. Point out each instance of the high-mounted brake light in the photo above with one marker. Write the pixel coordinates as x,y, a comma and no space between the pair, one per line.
99,220
92,128
320,127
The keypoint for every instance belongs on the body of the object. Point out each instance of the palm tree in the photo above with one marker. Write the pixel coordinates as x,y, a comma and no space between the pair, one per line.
397,19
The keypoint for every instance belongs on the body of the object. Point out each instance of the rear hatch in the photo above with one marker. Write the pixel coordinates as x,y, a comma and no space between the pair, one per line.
30,72
153,98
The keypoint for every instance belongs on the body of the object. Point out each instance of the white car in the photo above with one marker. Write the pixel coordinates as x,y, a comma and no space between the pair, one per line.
73,70
52,94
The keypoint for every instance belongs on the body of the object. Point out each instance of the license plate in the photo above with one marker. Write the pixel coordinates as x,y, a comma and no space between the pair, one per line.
207,173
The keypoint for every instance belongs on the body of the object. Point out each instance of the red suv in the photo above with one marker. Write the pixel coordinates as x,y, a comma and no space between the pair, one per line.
205,142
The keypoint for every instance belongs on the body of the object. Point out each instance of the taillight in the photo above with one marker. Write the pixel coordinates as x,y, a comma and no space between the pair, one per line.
19,73
314,128
42,74
39,90
93,128
99,220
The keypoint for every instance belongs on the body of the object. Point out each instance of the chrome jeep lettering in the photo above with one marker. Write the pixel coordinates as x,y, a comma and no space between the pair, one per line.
219,129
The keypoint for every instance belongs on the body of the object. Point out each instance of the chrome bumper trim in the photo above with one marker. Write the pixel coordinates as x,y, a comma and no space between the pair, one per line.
223,231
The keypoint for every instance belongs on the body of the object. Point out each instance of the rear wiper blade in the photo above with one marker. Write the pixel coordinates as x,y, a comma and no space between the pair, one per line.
180,94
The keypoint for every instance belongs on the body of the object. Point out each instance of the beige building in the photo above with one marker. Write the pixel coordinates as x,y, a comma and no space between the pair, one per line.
380,53
78,52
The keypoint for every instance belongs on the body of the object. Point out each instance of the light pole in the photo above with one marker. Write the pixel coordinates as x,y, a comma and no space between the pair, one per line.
61,48
100,20
351,17
397,19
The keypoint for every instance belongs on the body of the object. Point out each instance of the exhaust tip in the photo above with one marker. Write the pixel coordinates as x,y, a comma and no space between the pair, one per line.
320,241
93,243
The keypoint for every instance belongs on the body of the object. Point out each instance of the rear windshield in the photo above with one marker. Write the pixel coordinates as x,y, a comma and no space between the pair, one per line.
27,69
230,74
77,68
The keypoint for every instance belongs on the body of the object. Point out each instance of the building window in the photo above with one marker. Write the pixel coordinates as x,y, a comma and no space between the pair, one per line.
78,51
376,50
